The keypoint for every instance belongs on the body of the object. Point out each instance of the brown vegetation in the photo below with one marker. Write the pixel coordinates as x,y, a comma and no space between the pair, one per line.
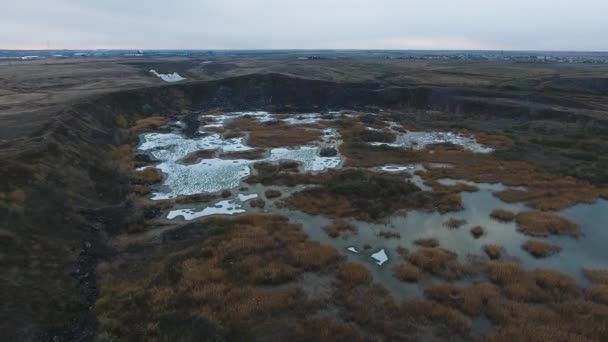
427,242
454,223
502,215
340,228
389,234
597,276
272,193
196,156
149,123
147,176
477,231
354,274
598,294
253,154
195,198
540,249
469,300
406,273
540,223
493,251
257,203
439,262
272,134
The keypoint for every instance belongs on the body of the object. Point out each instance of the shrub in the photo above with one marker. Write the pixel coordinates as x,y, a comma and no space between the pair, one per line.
121,121
477,231
540,249
272,193
354,274
407,273
493,251
502,215
454,223
314,256
257,203
597,276
540,223
196,156
340,227
598,294
389,235
469,300
432,260
427,242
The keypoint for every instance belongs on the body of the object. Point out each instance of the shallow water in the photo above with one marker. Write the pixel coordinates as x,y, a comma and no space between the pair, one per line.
212,175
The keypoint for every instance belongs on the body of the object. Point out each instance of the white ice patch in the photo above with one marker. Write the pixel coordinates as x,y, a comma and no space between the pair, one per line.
209,175
352,249
307,155
300,119
226,207
220,120
174,77
397,168
244,198
380,257
419,140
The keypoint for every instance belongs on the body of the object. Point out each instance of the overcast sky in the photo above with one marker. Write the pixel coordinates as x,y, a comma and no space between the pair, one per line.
310,24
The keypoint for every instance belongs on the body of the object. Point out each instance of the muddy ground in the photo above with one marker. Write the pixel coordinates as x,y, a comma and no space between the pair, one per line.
64,195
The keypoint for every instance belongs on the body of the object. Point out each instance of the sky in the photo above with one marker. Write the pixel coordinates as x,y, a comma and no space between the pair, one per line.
580,25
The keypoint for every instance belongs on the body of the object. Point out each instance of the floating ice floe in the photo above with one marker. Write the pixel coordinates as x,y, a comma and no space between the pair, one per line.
380,257
352,249
307,155
419,140
300,119
397,168
226,207
244,198
174,77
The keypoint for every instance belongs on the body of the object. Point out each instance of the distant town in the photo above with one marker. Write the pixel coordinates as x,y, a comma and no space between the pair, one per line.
513,56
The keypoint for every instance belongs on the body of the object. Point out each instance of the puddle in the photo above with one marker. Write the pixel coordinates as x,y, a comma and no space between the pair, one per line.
419,140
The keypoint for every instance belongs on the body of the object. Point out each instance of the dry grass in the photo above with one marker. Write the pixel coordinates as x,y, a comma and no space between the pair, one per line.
439,262
354,274
537,286
196,156
441,314
597,276
257,203
314,256
540,223
195,198
272,135
359,193
469,300
493,251
477,231
389,234
148,124
406,273
454,223
340,228
272,193
140,189
253,154
502,215
540,249
427,242
147,176
597,294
